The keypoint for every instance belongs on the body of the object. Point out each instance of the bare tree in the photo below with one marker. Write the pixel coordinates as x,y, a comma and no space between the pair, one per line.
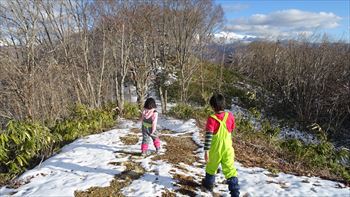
58,53
310,78
190,21
143,55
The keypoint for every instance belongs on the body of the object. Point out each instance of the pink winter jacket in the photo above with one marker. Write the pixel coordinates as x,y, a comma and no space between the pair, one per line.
148,113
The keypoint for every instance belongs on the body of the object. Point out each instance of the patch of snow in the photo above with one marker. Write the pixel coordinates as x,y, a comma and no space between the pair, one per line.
197,140
159,106
152,183
259,182
178,126
128,124
80,165
292,133
238,111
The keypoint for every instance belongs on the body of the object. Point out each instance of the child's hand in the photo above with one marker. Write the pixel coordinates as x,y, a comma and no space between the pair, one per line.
206,156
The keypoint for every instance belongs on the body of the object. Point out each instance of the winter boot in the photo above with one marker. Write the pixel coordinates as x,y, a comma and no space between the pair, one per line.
208,182
233,186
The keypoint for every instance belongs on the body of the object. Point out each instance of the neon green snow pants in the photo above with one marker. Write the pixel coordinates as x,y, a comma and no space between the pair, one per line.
221,151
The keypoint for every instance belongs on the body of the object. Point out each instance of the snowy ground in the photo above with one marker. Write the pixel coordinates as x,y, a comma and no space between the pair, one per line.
87,162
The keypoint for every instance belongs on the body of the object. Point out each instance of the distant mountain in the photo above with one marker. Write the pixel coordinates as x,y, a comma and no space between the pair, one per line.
231,37
226,43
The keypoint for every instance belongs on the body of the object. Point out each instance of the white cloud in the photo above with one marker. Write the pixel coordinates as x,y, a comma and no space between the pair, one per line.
284,23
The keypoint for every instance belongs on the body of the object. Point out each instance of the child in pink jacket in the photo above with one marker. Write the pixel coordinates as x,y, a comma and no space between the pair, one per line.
149,124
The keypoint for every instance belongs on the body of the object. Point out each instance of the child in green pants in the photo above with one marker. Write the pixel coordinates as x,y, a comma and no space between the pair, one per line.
218,146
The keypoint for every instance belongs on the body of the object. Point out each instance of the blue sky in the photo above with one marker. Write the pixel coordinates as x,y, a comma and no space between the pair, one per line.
283,19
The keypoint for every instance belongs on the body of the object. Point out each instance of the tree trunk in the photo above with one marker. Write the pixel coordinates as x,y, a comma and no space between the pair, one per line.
121,106
163,99
140,91
99,94
117,94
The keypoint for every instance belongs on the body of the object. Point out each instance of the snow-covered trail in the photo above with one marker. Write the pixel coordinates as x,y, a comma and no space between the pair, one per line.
91,161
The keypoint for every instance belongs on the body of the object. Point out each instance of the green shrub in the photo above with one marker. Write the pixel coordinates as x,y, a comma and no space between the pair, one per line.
194,95
185,112
131,111
244,125
231,76
23,141
343,155
206,95
341,171
322,155
84,121
255,113
294,146
320,133
182,111
23,144
70,130
269,130
204,112
230,91
174,92
314,155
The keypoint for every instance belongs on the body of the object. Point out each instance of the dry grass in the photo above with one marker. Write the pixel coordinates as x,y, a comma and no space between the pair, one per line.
187,185
135,130
178,149
133,171
130,139
165,131
257,152
168,193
